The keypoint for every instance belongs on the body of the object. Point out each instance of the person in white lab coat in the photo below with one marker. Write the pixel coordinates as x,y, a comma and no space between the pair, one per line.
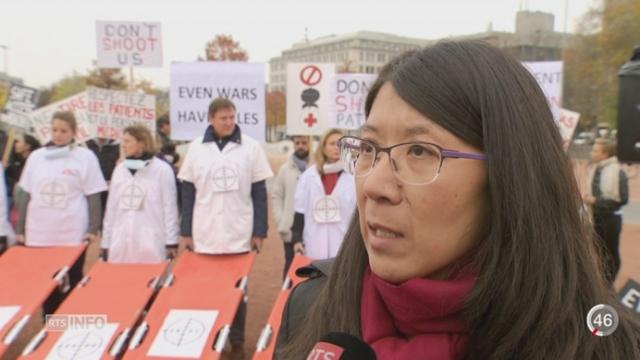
60,204
7,235
141,219
224,194
325,202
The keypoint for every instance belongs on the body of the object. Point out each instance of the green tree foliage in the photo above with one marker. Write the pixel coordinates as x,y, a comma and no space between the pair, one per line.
605,40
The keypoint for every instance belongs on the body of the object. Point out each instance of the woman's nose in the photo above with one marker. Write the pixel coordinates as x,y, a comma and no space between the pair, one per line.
381,183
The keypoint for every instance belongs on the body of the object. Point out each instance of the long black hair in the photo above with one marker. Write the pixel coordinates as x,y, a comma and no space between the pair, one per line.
539,267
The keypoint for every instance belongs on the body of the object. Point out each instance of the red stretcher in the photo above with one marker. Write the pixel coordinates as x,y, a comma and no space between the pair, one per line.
198,282
269,335
28,276
121,292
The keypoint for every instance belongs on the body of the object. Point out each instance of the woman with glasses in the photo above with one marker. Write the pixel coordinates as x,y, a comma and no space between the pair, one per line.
468,240
324,202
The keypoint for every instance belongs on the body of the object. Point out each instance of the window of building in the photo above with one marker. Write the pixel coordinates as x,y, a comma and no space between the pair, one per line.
382,57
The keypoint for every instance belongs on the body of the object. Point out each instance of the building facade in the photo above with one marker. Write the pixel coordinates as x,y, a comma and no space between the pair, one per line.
534,39
361,52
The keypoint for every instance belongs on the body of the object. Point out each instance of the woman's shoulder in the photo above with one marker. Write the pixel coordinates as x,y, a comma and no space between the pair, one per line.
311,171
302,297
161,165
37,153
83,152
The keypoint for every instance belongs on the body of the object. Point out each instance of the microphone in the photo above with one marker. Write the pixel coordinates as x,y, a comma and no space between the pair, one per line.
341,346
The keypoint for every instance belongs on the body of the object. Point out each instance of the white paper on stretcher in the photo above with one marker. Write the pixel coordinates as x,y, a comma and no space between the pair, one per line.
183,334
6,314
85,344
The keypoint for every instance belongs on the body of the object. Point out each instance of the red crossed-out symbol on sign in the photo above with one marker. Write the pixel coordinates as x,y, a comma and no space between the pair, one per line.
310,120
310,75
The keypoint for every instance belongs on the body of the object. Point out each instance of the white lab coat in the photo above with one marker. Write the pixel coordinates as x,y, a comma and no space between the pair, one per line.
58,213
223,209
5,226
142,214
324,229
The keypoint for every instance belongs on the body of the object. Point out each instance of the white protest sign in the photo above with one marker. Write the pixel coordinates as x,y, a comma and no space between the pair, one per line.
567,124
77,104
348,95
111,111
195,85
123,44
308,98
549,75
21,100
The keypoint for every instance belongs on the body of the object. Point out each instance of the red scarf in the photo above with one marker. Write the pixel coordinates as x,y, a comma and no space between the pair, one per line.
418,319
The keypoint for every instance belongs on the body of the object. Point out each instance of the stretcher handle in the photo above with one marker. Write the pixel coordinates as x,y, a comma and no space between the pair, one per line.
222,338
168,281
286,284
243,284
117,347
16,329
139,335
265,338
62,278
85,280
35,342
154,282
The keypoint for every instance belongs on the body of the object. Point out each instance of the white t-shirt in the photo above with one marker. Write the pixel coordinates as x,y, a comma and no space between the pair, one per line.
223,209
58,213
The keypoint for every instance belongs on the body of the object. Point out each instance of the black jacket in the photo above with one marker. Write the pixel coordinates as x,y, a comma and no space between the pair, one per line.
107,155
301,299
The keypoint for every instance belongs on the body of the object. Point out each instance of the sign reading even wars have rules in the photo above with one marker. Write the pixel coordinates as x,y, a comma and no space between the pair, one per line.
308,98
195,85
124,44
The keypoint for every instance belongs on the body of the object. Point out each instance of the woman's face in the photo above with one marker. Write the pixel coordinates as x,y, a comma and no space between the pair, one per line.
414,231
131,146
21,147
331,149
62,134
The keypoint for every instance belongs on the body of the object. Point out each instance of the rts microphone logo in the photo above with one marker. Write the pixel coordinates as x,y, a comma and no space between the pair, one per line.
325,351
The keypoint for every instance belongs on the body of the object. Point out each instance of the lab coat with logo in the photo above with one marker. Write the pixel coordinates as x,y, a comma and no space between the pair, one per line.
58,213
223,209
322,240
141,216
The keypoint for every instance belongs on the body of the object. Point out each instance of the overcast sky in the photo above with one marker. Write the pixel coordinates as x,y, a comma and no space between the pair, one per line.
48,39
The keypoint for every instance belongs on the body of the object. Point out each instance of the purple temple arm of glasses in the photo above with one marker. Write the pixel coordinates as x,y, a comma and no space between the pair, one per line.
463,155
445,153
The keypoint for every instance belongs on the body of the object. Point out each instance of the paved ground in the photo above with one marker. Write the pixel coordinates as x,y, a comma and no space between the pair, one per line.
266,277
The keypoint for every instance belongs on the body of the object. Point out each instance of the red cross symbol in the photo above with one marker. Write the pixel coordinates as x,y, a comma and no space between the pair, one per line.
310,120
